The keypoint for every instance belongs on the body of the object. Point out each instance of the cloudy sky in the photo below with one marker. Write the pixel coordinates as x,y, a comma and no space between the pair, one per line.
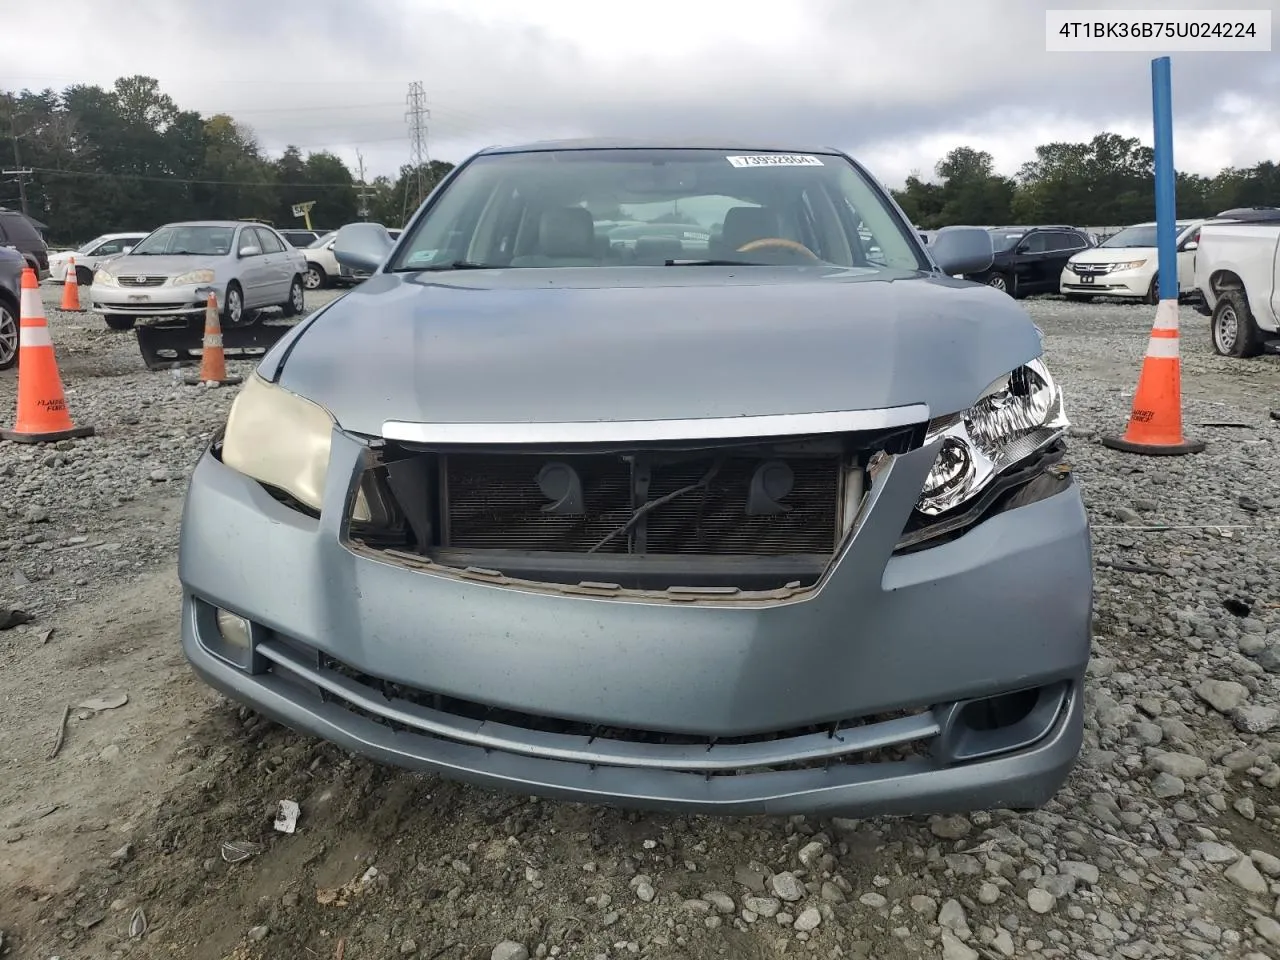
898,84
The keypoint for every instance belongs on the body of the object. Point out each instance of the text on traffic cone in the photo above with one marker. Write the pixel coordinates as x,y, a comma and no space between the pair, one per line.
71,288
42,404
1155,424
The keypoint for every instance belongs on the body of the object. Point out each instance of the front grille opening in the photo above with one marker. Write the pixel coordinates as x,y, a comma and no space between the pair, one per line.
755,516
919,750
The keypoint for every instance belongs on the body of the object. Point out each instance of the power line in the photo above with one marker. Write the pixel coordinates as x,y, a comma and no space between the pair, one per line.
98,175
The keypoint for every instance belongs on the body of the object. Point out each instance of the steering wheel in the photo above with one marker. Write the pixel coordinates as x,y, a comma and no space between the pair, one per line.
782,242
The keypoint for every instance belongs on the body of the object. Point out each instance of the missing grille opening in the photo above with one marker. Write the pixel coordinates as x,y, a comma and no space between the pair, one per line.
754,516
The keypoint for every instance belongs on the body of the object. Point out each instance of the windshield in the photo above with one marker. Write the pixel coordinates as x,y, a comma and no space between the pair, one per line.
185,240
609,208
1143,235
316,244
86,248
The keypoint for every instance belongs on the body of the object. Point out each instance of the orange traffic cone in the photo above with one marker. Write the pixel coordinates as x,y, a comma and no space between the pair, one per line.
213,359
71,289
1155,426
42,406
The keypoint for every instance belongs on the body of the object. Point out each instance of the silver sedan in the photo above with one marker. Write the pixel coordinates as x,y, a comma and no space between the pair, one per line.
762,513
248,266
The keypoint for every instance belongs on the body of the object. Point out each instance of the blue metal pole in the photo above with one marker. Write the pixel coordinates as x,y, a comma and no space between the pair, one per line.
1166,207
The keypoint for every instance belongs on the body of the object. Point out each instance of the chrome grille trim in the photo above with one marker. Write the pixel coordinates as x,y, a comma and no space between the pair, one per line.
649,431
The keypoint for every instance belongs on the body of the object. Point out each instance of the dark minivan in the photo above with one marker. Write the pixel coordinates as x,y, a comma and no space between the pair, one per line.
1029,260
18,232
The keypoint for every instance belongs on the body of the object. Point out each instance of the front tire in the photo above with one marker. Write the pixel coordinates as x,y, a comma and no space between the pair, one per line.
233,306
1153,292
84,276
8,335
315,278
1232,327
297,301
117,322
1000,281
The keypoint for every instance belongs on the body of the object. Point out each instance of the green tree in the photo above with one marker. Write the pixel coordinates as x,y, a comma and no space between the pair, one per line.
921,201
972,192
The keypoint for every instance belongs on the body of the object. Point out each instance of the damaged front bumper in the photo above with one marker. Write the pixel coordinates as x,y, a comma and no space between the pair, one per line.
165,300
947,678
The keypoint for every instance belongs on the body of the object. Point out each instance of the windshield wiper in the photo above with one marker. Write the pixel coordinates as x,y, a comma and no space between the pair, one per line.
452,265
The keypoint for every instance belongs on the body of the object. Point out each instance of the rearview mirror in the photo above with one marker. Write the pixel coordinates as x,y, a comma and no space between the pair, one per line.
362,246
962,250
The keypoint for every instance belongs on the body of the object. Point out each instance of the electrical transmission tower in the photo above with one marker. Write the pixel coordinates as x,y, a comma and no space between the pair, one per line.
364,193
417,115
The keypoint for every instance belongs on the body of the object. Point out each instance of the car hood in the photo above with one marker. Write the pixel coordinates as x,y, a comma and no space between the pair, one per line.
1114,254
649,344
159,266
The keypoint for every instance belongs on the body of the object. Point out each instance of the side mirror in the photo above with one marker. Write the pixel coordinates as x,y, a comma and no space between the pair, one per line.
1191,245
958,250
362,246
249,251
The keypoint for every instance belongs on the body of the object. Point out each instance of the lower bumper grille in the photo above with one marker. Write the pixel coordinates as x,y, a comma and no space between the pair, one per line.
929,737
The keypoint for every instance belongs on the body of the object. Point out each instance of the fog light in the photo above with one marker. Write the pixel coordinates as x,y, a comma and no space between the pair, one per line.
233,630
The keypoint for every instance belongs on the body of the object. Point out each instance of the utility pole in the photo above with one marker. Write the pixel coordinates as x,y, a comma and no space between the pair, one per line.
364,193
20,172
417,115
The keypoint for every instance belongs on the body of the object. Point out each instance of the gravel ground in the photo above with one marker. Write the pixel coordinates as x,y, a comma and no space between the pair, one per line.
1163,844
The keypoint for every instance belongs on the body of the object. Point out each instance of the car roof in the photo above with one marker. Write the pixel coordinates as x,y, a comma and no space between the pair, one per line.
675,143
215,223
1038,226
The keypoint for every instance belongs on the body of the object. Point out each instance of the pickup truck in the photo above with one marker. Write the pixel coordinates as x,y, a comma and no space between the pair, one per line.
1238,274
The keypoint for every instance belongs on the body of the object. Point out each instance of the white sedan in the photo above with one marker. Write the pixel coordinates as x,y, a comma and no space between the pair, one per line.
90,256
323,268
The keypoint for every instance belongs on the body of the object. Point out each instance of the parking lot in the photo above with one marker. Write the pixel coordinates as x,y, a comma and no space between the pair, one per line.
140,819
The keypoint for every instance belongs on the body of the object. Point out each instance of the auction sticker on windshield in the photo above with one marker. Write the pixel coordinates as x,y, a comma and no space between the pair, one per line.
775,160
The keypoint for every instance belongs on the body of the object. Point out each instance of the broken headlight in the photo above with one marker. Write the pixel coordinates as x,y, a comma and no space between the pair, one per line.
282,441
1015,417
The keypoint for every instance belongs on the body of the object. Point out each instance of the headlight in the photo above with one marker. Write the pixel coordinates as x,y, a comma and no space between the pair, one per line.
103,279
282,441
1017,415
195,276
1131,265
